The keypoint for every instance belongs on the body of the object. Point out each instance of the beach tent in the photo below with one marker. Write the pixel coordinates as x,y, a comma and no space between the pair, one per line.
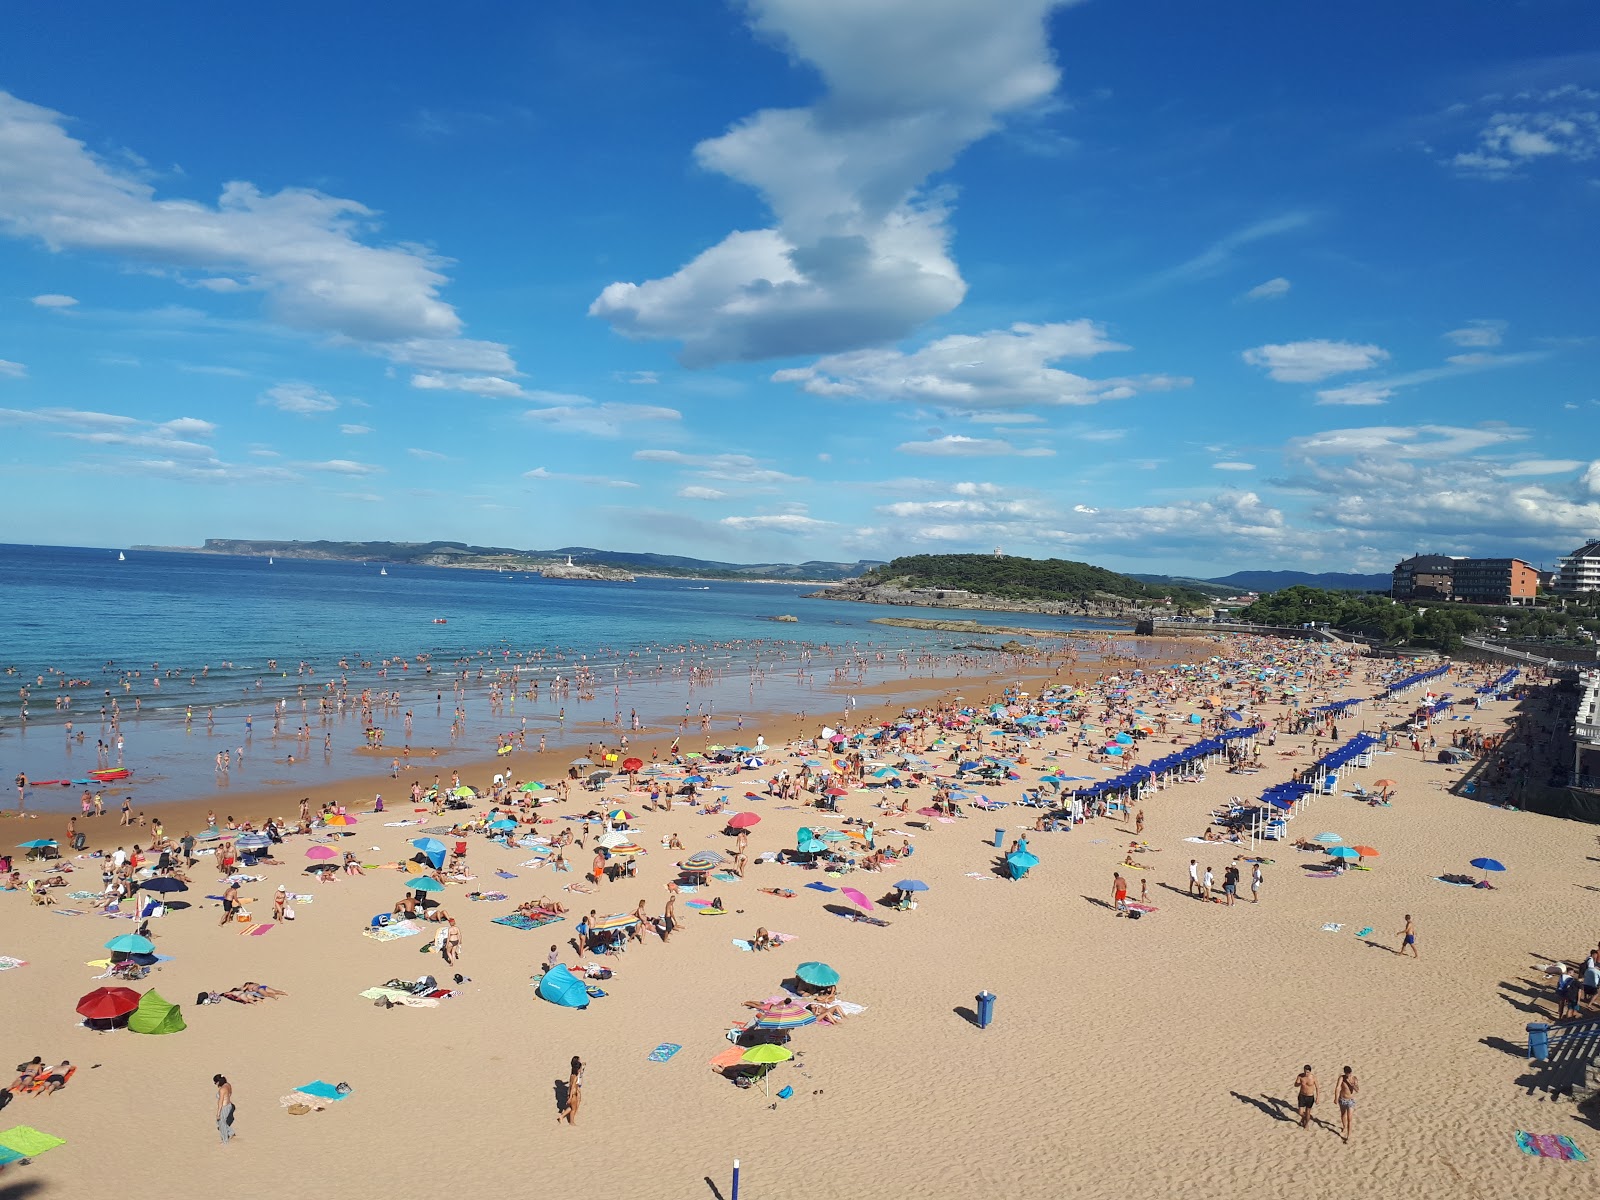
561,986
156,1015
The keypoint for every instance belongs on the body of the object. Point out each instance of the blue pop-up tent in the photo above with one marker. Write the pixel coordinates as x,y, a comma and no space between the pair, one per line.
561,986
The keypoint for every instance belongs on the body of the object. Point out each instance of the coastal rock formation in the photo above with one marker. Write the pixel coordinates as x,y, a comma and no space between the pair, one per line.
1112,608
785,617
569,570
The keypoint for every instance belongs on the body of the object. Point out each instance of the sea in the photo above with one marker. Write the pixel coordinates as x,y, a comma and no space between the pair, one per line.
165,662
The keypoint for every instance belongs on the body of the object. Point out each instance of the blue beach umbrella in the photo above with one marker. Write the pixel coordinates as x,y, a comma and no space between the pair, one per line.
1328,839
1343,852
131,943
36,844
1023,860
1488,864
817,974
424,884
912,885
502,823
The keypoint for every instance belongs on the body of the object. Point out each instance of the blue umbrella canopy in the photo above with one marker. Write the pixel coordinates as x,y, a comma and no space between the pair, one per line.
1343,852
912,885
131,943
817,974
503,823
1023,859
164,883
812,846
252,841
424,883
1488,864
36,844
428,845
1328,839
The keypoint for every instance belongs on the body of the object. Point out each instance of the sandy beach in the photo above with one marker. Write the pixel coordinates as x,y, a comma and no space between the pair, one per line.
1126,1057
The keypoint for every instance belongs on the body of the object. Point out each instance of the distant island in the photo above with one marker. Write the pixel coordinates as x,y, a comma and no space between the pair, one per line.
1050,586
553,564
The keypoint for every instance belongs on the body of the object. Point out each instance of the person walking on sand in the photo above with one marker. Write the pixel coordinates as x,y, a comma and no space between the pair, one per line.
1307,1091
1194,877
224,1107
574,1093
1119,893
1255,884
1345,1093
1408,939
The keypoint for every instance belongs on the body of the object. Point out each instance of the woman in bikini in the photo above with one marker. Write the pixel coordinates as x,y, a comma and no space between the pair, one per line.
574,1093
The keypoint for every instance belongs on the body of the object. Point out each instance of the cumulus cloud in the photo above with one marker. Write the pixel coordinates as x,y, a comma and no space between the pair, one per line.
777,523
1479,333
480,385
599,420
54,300
307,254
299,398
955,445
695,491
1315,360
1000,369
1272,289
859,253
1560,123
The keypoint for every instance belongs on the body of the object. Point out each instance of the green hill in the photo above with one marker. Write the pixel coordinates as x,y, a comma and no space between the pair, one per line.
1010,578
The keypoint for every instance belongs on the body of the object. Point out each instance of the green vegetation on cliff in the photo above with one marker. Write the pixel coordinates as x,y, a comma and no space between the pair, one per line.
1009,578
1440,625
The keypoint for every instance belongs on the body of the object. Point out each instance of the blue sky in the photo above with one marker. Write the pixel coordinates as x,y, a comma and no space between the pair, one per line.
1162,286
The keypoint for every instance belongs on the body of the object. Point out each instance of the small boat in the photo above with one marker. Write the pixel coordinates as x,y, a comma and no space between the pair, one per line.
121,557
440,621
383,570
107,774
269,560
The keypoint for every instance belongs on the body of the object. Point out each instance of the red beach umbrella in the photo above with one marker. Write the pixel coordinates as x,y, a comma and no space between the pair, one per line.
104,1004
743,820
630,765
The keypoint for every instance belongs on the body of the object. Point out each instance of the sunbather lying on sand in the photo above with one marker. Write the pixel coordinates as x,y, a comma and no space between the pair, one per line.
784,892
262,990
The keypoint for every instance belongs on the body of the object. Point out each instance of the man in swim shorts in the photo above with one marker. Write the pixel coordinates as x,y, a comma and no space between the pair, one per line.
1306,1087
1345,1093
1409,939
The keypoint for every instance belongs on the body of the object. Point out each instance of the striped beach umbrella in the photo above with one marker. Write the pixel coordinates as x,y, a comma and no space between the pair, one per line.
1328,839
785,1015
626,850
615,921
703,860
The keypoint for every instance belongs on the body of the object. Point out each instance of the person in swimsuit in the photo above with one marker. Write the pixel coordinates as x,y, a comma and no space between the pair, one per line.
1306,1088
1409,939
1119,892
1345,1093
574,1092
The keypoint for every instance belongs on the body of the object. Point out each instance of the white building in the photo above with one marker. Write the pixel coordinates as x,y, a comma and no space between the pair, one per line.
1580,570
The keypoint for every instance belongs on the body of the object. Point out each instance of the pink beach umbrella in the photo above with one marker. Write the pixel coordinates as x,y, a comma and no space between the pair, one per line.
322,852
855,897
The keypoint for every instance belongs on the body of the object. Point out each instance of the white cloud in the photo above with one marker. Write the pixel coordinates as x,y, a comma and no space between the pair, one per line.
600,420
955,445
1539,466
721,468
1315,360
777,523
1356,394
1000,369
1590,482
342,466
427,455
539,473
637,377
860,251
695,491
1562,123
302,250
355,430
1479,333
1420,441
1233,466
54,300
1272,289
187,427
1084,509
481,385
12,370
299,398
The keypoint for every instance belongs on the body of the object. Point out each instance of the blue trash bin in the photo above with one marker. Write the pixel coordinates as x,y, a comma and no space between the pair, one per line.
985,1009
1538,1041
999,838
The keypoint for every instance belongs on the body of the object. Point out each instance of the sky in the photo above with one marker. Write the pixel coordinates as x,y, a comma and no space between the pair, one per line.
1161,286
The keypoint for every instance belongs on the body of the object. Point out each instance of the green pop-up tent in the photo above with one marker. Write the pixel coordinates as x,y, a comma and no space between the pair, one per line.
155,1015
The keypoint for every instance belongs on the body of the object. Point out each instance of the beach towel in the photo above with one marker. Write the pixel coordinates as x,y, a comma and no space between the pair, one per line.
664,1052
28,1142
256,930
83,895
726,876
396,996
1332,927
506,874
524,921
7,962
697,904
489,896
743,945
578,887
1135,906
1367,932
780,938
67,912
1453,882
393,930
1539,1145
321,1090
821,887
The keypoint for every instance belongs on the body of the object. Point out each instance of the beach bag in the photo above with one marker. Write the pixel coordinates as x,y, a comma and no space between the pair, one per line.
288,914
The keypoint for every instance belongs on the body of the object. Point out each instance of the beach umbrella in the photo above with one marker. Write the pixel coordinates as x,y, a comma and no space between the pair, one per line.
36,844
1385,783
608,840
1328,839
833,835
630,765
615,921
912,885
622,814
164,883
1367,851
339,819
856,897
131,943
812,846
694,779
743,820
703,860
817,974
626,850
1344,852
1488,864
252,841
1023,860
787,1014
766,1056
432,848
531,787
502,823
424,883
600,776
320,852
837,791
108,1003
581,762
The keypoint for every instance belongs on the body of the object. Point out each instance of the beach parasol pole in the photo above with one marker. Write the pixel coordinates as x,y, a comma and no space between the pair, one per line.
735,1191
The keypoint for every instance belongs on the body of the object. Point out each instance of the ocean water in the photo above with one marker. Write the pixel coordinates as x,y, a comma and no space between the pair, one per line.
230,639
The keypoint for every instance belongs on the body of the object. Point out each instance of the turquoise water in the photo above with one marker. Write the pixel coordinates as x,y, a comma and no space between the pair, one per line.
210,628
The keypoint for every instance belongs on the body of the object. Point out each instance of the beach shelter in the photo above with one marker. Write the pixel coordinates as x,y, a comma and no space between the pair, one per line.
817,974
560,986
1021,863
432,849
766,1055
156,1015
108,1003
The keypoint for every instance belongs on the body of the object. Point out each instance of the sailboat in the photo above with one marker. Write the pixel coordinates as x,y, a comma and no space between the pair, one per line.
121,557
383,570
269,560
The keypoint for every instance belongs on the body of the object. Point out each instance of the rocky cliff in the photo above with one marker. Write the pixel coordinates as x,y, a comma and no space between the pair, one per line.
1102,607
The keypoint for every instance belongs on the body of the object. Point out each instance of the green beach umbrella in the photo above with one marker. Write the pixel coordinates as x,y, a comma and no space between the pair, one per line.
425,883
766,1055
817,974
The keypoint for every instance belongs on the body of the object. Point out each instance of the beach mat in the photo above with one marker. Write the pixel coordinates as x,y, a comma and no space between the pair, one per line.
28,1141
664,1052
524,921
393,931
1537,1145
321,1090
7,962
821,887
